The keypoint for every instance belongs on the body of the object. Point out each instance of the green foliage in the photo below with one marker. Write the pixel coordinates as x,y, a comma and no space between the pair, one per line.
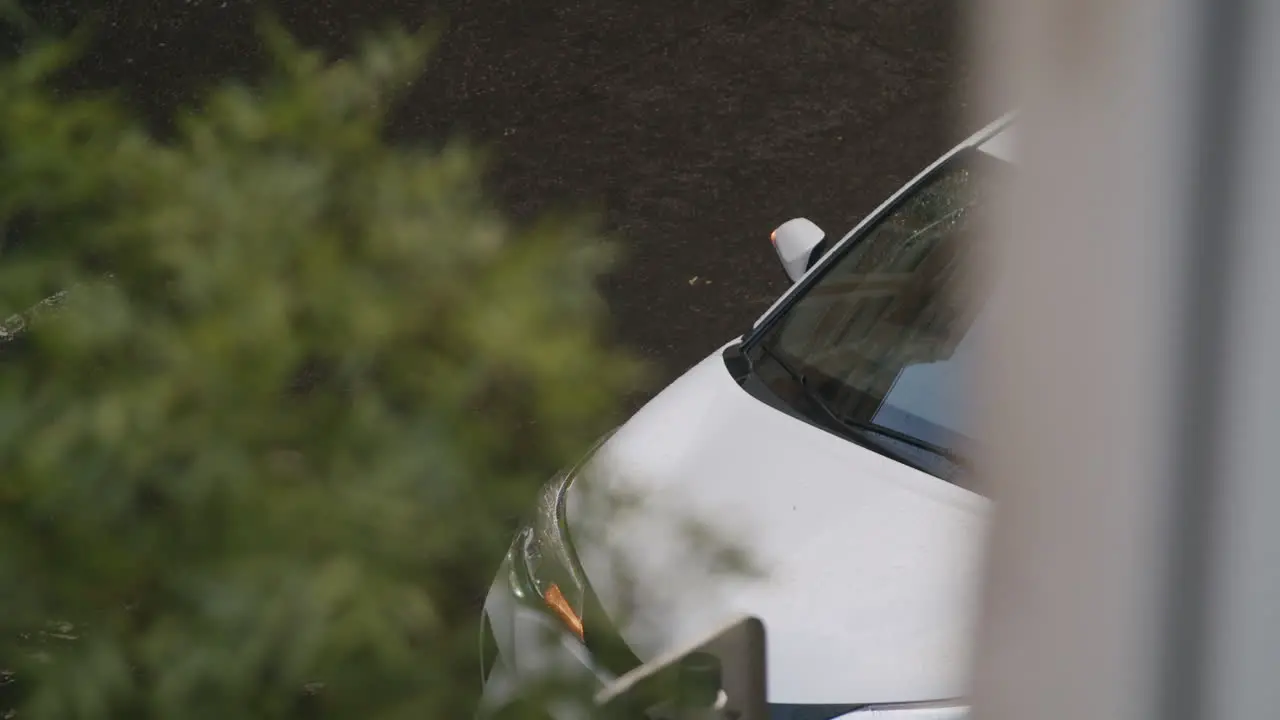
301,382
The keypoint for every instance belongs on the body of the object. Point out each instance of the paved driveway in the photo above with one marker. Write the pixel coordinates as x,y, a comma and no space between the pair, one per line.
696,126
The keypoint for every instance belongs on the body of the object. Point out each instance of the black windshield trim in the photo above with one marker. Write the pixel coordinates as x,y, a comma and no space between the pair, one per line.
758,389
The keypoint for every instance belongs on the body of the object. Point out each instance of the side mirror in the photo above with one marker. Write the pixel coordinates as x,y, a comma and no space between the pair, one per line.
799,243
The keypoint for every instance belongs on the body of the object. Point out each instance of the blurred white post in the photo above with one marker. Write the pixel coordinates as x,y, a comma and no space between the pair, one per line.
1135,556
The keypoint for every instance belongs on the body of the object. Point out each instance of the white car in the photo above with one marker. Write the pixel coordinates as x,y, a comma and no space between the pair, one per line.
829,444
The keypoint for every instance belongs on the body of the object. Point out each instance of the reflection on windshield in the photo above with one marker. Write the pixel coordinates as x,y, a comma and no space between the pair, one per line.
931,400
885,335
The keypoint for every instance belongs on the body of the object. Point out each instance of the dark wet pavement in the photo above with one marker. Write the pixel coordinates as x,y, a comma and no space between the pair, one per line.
694,126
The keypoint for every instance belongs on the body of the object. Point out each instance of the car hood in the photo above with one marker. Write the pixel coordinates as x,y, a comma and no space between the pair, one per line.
867,570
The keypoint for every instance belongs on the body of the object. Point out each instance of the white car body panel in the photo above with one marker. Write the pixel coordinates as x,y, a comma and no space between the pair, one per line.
871,568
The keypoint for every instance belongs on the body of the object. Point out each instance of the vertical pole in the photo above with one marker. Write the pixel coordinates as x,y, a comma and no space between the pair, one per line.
1241,647
1135,375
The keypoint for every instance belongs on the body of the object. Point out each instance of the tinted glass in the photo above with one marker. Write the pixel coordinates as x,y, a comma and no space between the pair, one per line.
887,335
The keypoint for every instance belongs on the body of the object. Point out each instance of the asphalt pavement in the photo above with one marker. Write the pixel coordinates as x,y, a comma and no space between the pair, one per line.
694,127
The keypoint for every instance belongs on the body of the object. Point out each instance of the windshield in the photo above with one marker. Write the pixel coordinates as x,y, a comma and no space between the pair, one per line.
880,347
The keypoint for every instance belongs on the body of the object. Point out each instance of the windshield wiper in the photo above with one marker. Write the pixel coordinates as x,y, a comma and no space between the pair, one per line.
862,427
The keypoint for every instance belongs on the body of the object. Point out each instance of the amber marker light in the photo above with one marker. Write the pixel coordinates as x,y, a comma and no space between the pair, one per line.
556,601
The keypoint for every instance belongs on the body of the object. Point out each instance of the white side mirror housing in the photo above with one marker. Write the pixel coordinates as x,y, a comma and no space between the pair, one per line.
796,241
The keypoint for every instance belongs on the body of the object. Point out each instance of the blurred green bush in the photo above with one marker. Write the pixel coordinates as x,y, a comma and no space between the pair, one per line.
299,385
